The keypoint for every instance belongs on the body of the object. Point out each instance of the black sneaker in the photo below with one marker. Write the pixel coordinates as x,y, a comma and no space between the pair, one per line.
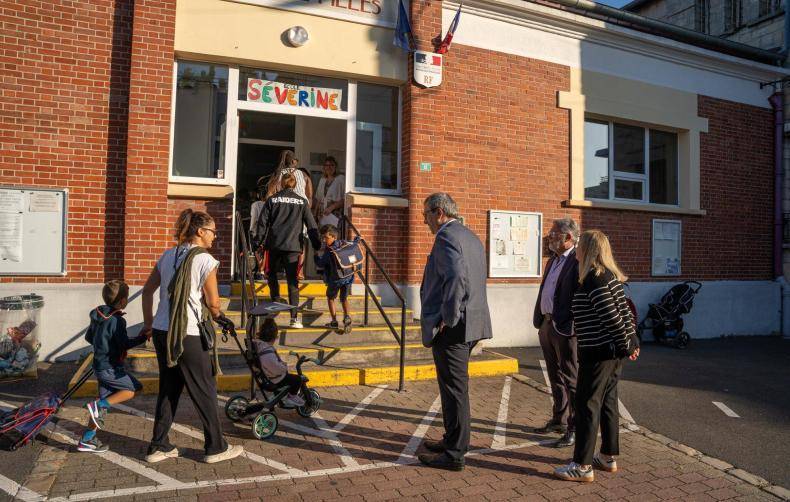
347,325
333,325
93,445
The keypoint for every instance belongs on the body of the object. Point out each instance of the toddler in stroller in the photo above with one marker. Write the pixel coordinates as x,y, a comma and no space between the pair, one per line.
665,319
271,377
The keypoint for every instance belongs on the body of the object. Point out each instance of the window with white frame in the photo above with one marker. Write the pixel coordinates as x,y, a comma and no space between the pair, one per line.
630,163
376,166
199,128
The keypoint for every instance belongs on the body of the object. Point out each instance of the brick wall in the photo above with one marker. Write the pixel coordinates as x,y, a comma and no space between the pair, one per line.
510,151
63,115
148,227
386,232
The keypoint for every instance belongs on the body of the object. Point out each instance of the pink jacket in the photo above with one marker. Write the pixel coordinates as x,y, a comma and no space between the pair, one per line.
273,367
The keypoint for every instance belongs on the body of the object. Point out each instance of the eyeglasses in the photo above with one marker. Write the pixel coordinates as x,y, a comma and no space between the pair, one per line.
214,232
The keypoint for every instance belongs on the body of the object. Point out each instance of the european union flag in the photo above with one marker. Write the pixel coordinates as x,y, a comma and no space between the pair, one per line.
403,36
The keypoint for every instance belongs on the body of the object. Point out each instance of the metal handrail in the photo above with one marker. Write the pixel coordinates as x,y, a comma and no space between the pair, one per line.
247,279
369,254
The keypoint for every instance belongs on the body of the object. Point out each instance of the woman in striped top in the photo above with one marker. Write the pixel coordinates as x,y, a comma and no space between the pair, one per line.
605,330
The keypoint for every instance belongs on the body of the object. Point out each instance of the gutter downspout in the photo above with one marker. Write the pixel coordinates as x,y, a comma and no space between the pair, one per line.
671,31
777,104
786,40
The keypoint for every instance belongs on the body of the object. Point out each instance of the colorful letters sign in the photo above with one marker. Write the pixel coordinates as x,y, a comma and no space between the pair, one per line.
277,93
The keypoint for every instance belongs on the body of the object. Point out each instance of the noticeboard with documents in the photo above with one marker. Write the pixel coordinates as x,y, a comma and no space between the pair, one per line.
515,244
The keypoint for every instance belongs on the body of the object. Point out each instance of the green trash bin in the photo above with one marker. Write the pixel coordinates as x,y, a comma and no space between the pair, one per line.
20,318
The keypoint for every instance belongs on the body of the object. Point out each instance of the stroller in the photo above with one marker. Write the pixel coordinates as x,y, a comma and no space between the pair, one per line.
21,425
264,423
665,319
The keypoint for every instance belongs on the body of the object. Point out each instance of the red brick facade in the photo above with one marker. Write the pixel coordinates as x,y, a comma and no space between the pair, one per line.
86,105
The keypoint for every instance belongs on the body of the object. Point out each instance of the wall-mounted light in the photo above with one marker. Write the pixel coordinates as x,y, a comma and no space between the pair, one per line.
297,36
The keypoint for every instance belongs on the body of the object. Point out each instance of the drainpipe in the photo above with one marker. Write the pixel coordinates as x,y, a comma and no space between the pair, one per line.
786,40
777,101
653,26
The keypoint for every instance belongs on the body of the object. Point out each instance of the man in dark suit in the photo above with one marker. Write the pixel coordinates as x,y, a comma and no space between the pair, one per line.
454,317
554,322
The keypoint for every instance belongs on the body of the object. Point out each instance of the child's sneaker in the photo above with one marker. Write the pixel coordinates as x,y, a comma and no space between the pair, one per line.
293,401
347,324
92,445
600,463
574,472
333,325
295,324
97,413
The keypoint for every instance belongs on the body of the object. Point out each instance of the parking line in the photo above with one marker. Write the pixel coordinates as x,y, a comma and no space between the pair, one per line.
624,412
545,373
193,433
726,409
17,491
500,430
334,442
407,455
359,408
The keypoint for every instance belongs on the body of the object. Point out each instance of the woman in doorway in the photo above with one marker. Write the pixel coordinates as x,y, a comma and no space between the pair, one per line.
330,195
186,276
290,164
606,335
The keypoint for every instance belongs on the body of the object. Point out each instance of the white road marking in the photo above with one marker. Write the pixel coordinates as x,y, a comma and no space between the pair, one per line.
624,412
334,442
193,433
359,408
407,455
500,431
545,373
54,431
17,491
726,409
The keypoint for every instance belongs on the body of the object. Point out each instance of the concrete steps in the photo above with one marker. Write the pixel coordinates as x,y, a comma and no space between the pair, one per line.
368,355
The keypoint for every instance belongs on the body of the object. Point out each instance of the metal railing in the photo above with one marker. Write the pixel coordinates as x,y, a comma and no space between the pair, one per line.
249,298
345,226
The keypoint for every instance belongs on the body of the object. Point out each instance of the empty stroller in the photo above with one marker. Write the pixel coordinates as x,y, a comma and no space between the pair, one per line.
665,319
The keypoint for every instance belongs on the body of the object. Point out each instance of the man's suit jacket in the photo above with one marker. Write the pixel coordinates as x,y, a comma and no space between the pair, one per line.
454,285
567,283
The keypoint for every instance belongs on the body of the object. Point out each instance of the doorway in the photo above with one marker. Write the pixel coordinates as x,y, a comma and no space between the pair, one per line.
263,135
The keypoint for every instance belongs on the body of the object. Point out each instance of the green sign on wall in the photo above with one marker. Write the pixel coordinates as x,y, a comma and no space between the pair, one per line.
425,166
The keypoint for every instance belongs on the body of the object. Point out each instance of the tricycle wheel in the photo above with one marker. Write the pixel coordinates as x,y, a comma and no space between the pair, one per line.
265,425
235,407
683,340
312,403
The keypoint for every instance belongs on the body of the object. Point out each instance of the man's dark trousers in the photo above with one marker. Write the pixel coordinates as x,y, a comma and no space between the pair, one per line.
451,356
559,352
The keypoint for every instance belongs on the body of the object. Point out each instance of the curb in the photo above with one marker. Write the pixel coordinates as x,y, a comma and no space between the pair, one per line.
721,465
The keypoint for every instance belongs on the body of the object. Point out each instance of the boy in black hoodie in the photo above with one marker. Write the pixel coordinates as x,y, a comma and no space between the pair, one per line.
107,334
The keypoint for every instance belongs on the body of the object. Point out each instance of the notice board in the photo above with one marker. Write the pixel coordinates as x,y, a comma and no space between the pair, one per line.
33,231
666,247
515,247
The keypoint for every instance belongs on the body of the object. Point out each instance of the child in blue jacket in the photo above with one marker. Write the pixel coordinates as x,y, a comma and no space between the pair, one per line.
107,335
325,262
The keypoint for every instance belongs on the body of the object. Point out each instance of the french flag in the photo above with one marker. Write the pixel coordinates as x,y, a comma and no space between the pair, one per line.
448,39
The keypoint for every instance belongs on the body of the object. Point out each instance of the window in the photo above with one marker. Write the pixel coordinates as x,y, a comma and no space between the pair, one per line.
376,166
630,163
201,97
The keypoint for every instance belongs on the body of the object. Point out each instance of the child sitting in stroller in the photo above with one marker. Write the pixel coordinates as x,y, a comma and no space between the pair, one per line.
275,369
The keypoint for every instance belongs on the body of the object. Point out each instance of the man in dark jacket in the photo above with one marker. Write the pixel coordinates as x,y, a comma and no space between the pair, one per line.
282,219
454,318
554,322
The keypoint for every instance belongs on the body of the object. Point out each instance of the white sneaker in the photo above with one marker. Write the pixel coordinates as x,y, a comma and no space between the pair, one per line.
600,463
295,324
233,451
158,456
574,472
293,401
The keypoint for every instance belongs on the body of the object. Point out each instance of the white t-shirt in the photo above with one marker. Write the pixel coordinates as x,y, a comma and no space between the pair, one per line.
202,265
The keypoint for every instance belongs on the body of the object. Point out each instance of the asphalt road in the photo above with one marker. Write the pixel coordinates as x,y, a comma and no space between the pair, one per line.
672,391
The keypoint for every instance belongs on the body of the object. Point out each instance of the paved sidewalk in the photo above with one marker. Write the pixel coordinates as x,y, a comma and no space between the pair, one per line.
361,448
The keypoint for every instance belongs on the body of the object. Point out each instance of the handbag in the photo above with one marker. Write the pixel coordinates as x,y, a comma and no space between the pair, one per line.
208,335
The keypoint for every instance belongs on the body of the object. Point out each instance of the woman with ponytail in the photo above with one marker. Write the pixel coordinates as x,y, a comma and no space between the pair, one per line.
186,276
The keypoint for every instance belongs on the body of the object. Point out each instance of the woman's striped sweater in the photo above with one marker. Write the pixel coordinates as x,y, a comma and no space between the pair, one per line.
602,321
